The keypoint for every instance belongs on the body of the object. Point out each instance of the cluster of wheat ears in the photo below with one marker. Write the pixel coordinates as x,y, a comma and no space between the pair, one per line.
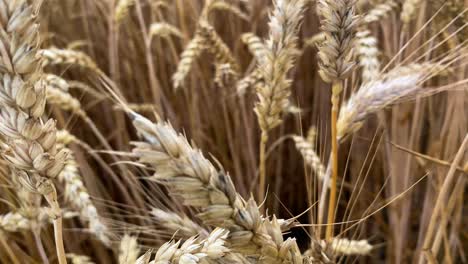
336,131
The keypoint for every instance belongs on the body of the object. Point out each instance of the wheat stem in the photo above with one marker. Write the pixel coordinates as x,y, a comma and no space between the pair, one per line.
336,90
262,167
8,249
40,246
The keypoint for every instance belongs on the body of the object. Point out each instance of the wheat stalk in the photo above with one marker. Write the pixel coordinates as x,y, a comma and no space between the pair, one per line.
193,178
128,250
274,66
338,22
32,155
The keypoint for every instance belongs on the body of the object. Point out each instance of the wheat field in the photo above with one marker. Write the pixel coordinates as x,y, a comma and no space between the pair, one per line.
233,131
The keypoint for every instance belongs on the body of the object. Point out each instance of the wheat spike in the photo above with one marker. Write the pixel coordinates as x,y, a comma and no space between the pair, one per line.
255,45
188,56
79,259
77,195
224,6
344,246
64,101
280,54
164,30
310,156
122,9
225,75
368,53
338,24
400,83
193,178
55,56
180,224
379,12
216,45
57,82
128,250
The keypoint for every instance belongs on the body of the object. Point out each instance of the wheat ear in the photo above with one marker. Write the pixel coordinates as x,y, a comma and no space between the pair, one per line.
122,9
33,155
251,80
13,222
224,6
225,75
55,56
196,180
368,53
379,12
409,10
278,60
338,22
188,56
255,45
79,259
306,148
164,30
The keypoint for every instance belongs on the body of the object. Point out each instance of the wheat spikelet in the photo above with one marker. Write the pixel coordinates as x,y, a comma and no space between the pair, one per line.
315,40
64,101
193,178
180,224
312,136
310,156
52,80
79,259
122,9
338,22
400,83
191,251
216,45
225,75
128,250
409,10
250,81
164,30
280,54
188,56
64,137
254,44
223,6
77,195
344,246
368,53
13,222
379,12
55,56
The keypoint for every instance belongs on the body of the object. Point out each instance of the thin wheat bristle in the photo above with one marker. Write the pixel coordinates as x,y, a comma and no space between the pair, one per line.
128,250
180,224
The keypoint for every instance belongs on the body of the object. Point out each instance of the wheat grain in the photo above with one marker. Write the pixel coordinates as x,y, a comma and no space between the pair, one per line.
344,246
128,250
182,225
